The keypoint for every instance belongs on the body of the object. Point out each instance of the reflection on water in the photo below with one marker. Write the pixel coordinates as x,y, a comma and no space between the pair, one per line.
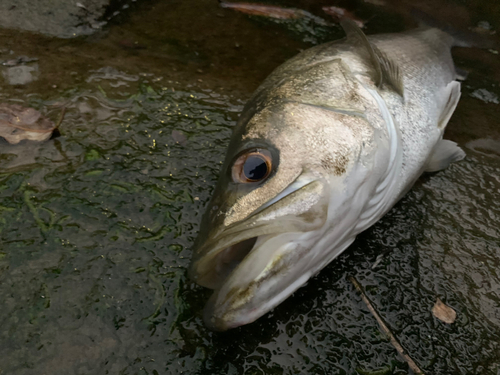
485,146
96,225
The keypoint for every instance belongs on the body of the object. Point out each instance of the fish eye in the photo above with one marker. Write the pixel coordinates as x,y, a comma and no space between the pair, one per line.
252,166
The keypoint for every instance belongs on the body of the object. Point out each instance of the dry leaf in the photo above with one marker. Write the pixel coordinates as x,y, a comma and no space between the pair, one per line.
264,10
18,123
444,312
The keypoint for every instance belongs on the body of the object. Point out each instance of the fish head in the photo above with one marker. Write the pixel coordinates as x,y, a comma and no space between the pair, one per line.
281,187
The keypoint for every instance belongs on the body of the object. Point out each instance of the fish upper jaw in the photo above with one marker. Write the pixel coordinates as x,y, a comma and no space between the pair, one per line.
212,264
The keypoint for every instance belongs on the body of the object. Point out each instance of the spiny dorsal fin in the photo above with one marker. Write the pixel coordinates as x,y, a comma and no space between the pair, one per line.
385,70
390,72
355,35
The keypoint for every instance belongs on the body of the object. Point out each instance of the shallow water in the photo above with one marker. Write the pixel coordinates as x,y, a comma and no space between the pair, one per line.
96,225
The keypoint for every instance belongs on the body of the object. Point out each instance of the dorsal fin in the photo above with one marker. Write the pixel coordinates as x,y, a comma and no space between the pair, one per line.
385,70
390,72
356,36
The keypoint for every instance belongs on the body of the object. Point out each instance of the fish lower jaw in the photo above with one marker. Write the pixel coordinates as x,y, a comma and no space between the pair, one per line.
245,306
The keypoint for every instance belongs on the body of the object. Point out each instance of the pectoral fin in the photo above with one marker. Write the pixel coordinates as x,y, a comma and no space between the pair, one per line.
445,153
452,95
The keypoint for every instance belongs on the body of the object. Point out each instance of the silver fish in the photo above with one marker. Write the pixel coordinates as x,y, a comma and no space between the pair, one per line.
328,143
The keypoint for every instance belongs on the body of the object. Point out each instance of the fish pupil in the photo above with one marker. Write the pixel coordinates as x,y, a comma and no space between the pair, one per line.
255,168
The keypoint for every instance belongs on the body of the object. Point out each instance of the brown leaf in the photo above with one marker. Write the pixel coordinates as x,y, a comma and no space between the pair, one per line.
18,123
264,10
443,312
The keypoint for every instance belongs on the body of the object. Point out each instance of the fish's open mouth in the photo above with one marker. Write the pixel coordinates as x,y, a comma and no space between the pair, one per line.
229,258
299,210
247,263
222,256
259,281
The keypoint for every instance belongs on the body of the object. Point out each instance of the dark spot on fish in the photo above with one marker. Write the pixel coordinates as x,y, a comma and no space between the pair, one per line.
353,96
336,165
312,216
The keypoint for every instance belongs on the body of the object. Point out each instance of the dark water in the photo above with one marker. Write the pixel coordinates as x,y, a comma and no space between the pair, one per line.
96,225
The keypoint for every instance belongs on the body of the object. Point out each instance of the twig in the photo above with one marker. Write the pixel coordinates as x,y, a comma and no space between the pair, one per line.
386,329
61,116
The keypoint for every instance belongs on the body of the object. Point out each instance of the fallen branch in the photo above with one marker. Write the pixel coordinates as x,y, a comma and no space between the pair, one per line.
386,329
61,117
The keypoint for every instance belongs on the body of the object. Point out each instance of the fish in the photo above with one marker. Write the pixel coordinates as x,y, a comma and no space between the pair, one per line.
326,146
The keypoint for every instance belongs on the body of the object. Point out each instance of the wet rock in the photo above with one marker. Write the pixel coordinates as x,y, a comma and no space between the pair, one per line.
19,61
59,18
341,13
20,75
485,146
